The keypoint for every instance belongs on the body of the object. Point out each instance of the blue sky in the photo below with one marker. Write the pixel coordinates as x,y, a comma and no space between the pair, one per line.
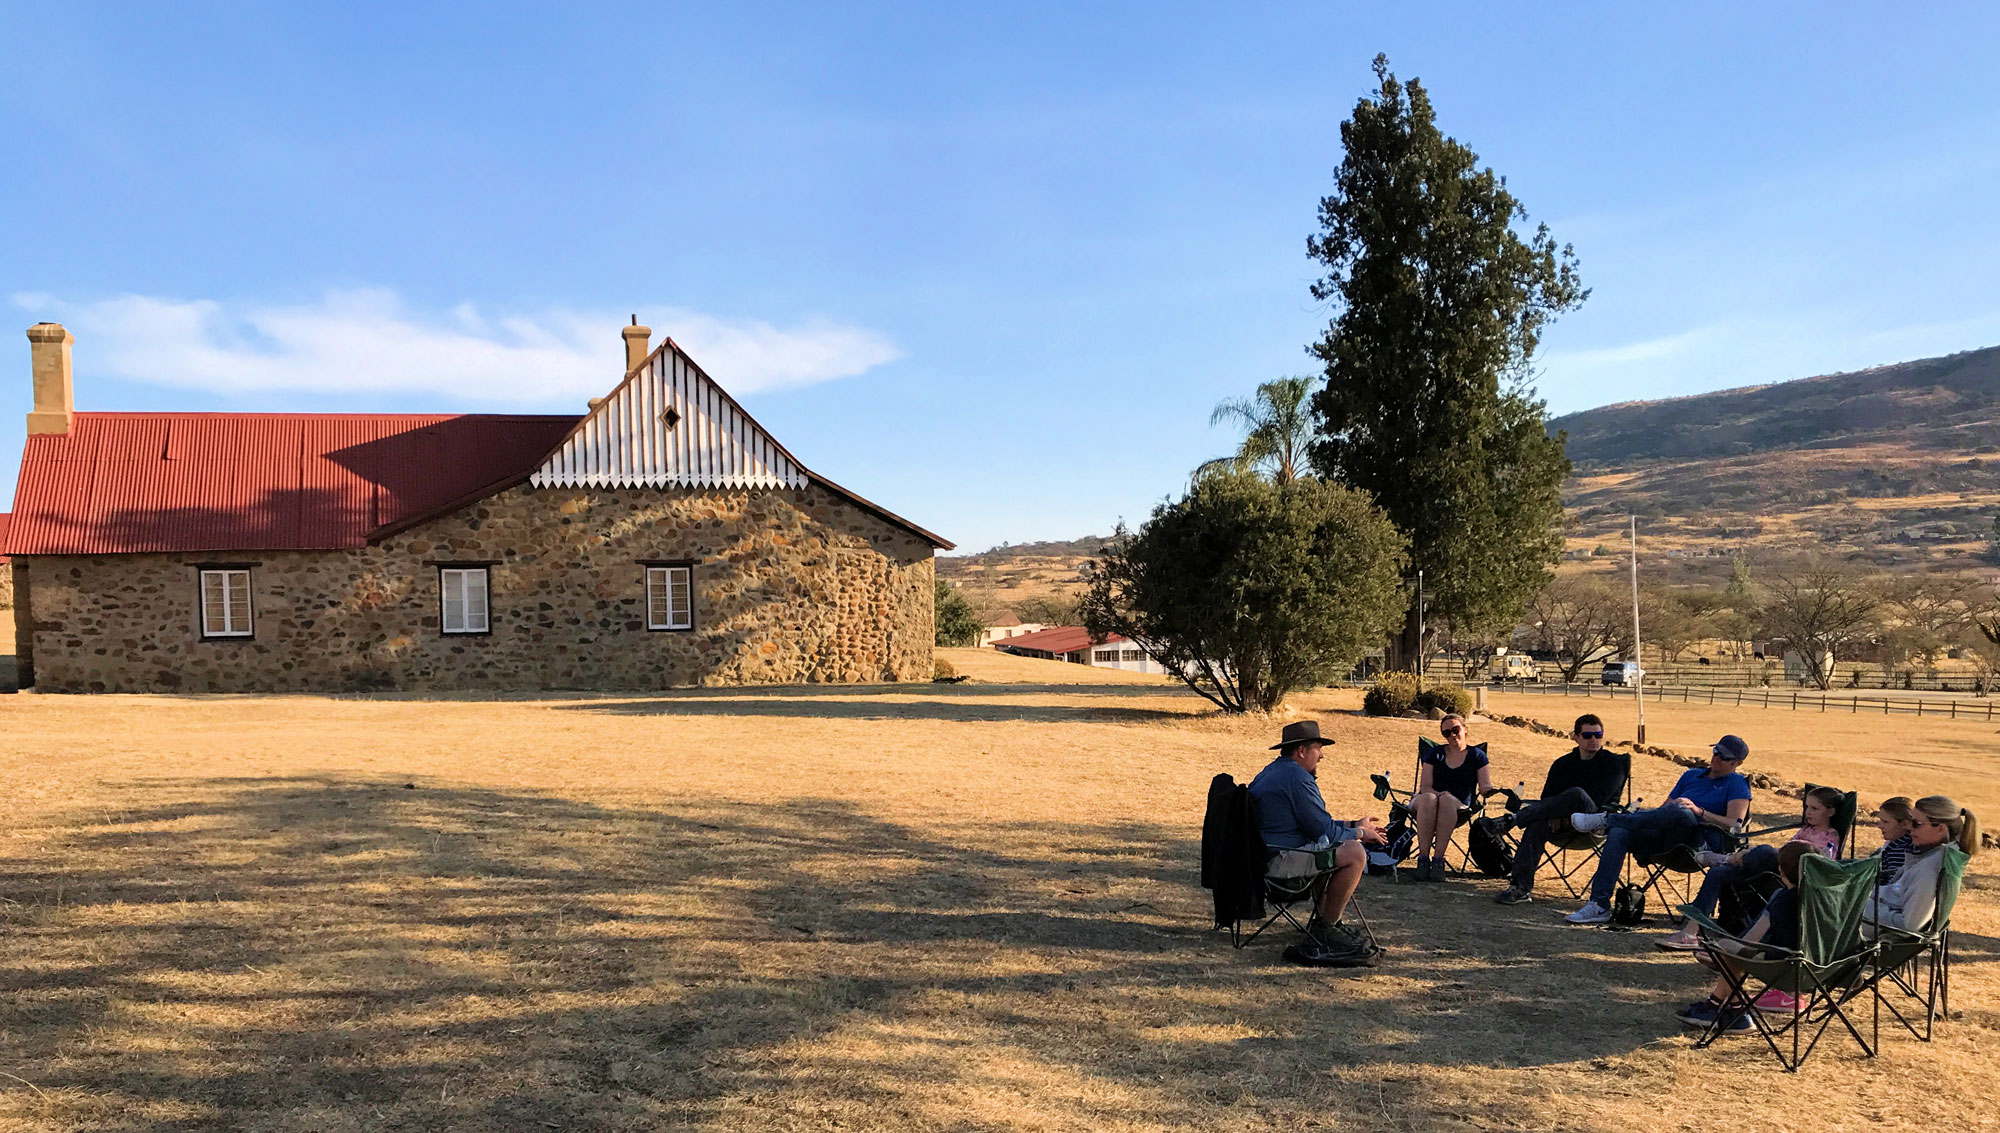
991,267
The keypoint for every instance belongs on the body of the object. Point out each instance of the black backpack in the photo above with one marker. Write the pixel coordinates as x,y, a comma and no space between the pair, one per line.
1628,905
1489,849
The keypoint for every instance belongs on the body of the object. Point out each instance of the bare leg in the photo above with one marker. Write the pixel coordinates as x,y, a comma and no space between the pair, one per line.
1426,807
1443,821
1349,862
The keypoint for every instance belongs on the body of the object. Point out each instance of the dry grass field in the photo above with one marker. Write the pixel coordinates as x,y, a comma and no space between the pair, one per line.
947,907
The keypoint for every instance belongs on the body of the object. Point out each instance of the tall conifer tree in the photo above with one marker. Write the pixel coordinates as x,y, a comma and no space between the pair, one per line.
1438,308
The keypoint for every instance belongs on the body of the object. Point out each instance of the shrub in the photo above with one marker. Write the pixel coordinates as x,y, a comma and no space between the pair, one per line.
1248,590
1449,699
1392,694
942,670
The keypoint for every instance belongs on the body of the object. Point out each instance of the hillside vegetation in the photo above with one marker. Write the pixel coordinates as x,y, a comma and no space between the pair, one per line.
1899,464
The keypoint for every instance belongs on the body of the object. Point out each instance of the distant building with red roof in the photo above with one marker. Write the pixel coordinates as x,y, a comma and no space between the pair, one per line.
664,538
1076,645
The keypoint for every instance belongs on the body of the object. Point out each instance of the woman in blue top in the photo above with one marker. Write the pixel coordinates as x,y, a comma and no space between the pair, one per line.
1449,776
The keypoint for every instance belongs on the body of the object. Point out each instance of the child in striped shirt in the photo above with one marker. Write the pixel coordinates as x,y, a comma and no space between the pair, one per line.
1895,819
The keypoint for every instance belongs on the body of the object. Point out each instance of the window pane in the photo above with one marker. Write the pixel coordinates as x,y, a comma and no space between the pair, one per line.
681,601
237,583
656,598
475,601
212,603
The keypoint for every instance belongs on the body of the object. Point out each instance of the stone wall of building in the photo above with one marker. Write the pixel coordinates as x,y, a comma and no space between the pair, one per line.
6,586
788,587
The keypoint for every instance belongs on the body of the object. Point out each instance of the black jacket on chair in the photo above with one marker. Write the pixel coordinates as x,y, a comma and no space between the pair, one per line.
1232,852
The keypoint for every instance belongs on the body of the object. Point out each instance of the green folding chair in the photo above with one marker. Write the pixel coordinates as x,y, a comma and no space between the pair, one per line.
1917,965
1831,965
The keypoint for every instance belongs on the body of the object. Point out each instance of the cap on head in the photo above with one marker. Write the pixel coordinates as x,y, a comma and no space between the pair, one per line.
1732,748
1303,732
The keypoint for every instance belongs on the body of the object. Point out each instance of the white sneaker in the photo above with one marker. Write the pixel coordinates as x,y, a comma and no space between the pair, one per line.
1593,913
1709,859
1585,822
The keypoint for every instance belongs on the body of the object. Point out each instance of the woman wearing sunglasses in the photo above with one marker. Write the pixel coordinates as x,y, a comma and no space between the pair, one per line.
1449,777
1910,900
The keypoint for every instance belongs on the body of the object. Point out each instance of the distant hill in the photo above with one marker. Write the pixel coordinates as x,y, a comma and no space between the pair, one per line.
1003,577
1898,465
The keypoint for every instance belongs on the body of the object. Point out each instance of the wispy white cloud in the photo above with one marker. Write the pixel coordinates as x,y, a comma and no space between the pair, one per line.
369,341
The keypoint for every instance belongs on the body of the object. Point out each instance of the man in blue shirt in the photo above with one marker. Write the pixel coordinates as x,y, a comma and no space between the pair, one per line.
1302,837
1703,807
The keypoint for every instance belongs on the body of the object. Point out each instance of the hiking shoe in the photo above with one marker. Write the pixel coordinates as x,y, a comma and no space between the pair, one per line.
1678,942
1780,1002
1704,1014
1513,896
1592,913
1586,822
1437,870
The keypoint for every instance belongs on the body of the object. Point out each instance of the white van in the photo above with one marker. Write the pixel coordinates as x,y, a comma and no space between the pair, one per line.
1625,673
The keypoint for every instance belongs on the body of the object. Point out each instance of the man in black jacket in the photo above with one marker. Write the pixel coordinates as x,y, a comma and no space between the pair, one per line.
1586,780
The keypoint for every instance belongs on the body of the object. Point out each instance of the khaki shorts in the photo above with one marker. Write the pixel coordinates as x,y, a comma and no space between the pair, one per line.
1300,863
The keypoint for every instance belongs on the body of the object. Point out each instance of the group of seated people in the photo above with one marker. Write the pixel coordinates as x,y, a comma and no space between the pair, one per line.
1582,795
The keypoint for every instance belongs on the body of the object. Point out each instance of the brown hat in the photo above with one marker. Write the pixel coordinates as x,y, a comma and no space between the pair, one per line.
1303,732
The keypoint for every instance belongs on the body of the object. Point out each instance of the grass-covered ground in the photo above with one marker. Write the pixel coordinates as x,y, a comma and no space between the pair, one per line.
933,907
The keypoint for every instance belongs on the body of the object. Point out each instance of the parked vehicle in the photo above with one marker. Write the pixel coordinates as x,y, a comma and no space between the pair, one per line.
1625,673
1514,667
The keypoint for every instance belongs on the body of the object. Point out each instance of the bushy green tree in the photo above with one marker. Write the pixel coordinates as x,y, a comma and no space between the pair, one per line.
1439,306
1249,590
958,624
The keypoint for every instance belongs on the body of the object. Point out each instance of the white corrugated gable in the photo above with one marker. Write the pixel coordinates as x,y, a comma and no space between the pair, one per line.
627,443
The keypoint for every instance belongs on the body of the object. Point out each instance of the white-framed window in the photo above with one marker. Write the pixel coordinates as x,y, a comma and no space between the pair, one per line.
669,597
1106,656
462,600
225,602
1132,655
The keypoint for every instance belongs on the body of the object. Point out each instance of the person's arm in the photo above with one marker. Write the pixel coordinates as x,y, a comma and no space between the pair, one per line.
1485,778
1423,776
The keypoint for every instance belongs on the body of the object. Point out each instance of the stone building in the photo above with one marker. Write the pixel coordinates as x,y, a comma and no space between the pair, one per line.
663,539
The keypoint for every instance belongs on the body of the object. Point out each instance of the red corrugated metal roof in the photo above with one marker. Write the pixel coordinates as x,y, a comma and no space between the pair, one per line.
1061,639
5,517
122,482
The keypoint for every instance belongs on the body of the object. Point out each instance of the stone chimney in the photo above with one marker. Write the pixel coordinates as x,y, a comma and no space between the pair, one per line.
638,344
48,350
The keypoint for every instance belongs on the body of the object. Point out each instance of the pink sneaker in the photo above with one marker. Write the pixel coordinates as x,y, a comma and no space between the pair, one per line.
1779,1002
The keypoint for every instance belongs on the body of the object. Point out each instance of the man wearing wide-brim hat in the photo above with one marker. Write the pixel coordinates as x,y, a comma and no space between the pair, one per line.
1303,839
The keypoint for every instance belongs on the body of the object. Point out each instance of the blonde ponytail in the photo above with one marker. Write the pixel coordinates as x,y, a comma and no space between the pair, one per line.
1960,823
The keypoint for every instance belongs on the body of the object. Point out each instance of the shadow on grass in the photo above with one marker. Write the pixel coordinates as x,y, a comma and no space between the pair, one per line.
337,953
949,711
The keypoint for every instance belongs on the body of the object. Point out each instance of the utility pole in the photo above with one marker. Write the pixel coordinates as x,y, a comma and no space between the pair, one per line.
1638,690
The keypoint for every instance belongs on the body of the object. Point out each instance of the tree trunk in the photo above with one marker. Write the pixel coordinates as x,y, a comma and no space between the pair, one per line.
1401,651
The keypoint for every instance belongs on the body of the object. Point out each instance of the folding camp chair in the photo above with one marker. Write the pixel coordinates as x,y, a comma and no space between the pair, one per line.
1917,965
1830,966
1233,863
1573,854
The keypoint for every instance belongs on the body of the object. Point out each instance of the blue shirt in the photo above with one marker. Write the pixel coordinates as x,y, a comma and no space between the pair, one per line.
1290,811
1712,795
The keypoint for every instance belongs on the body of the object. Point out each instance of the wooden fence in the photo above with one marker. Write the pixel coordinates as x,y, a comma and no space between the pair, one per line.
1951,708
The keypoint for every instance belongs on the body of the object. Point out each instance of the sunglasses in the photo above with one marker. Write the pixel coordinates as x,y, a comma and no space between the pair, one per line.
1451,731
1590,735
1725,756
